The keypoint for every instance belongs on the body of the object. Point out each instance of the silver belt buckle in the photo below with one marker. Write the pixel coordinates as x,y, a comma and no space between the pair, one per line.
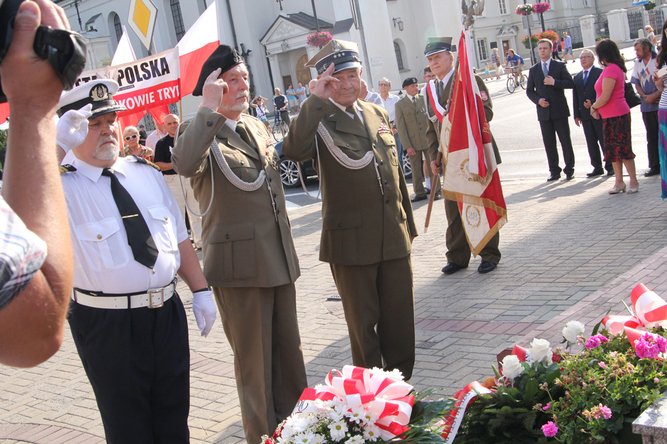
156,298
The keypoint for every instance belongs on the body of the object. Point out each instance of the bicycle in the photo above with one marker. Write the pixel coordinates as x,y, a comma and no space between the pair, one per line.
515,77
279,128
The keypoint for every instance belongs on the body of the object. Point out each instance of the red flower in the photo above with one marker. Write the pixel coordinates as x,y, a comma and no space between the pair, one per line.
541,7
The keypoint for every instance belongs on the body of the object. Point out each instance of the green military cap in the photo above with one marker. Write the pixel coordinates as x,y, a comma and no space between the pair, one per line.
343,54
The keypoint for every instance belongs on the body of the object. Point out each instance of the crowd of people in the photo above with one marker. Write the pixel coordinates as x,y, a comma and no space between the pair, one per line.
105,241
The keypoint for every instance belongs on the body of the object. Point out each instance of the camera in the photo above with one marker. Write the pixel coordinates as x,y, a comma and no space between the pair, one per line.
65,50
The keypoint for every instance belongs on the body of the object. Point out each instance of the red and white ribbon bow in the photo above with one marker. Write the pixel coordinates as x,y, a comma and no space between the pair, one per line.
650,311
382,396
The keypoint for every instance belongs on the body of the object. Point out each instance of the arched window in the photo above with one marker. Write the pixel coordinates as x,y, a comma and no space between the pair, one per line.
179,28
399,56
117,26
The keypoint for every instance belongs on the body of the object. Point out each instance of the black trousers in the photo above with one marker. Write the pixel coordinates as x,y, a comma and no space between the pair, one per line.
595,143
138,363
549,130
652,130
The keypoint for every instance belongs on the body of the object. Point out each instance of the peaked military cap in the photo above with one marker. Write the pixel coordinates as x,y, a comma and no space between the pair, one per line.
437,44
343,54
224,57
98,93
410,81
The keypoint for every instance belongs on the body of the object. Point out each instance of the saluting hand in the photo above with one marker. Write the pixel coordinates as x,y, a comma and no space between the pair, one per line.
325,85
213,90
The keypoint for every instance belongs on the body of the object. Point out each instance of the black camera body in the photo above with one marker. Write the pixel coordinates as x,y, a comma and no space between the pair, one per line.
65,50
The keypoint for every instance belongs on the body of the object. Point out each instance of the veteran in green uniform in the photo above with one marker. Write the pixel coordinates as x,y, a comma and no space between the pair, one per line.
367,216
249,255
438,92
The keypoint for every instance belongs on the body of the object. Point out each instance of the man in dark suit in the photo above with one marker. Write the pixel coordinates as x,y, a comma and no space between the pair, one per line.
547,81
583,96
368,224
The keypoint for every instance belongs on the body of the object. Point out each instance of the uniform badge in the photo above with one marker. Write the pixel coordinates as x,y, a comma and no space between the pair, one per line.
383,129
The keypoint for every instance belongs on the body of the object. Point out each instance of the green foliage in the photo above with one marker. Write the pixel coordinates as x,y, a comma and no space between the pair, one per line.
425,421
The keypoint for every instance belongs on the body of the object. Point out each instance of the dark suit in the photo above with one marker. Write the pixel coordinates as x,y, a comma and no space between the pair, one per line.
592,127
250,260
458,249
554,118
367,226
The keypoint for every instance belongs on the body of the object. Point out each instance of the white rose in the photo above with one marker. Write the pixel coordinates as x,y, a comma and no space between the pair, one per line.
572,331
511,366
540,351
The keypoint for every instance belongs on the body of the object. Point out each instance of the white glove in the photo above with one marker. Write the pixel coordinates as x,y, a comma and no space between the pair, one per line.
72,127
205,311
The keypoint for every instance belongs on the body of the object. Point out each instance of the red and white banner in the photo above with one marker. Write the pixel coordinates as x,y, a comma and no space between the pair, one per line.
471,175
649,310
195,46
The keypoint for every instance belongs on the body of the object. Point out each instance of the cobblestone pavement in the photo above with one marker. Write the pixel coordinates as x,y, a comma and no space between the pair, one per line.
570,250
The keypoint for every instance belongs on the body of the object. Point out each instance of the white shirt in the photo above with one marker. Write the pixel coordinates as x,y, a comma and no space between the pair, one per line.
153,138
103,260
390,105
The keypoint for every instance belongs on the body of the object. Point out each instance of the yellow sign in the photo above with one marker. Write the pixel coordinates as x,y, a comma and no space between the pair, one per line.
142,20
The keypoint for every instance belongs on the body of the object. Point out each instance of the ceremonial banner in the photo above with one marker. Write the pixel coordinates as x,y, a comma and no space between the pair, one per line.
144,84
142,20
471,175
195,46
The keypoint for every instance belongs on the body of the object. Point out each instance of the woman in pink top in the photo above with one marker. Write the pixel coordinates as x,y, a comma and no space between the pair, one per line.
615,113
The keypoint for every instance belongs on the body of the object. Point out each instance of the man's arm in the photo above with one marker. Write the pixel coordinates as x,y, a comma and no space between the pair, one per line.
403,129
31,326
564,80
531,90
299,143
576,103
160,155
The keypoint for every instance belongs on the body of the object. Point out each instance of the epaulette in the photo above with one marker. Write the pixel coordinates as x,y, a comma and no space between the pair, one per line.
145,162
67,168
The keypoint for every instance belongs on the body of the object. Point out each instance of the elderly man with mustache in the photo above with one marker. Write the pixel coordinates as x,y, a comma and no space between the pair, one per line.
249,255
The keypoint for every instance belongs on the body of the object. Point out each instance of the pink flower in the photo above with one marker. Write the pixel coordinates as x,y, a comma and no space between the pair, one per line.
595,341
550,429
546,407
650,345
541,7
656,380
602,364
606,411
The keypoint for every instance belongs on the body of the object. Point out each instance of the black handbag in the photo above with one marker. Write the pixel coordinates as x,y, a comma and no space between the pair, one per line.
631,96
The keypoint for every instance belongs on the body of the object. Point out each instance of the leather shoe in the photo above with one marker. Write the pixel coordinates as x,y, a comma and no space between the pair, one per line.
595,173
652,172
486,267
418,197
452,268
437,197
569,176
553,177
610,173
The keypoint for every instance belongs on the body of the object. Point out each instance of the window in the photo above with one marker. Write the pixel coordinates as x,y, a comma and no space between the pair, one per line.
502,5
399,56
481,49
179,28
118,28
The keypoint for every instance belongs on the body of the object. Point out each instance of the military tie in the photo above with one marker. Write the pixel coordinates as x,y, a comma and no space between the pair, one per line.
138,235
545,69
242,131
441,92
352,112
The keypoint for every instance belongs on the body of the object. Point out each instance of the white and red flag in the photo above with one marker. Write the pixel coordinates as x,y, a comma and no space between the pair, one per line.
195,46
471,174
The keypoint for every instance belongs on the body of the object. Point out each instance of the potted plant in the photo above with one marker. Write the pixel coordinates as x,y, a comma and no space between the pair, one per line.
551,35
540,8
319,39
525,9
650,4
533,38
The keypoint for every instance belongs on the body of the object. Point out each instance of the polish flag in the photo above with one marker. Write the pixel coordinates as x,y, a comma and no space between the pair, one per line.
471,174
194,48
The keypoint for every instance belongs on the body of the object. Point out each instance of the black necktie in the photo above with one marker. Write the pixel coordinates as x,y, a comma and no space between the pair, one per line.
352,111
138,235
585,77
441,92
242,131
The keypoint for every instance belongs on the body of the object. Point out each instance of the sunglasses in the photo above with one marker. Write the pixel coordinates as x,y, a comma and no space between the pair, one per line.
133,136
384,84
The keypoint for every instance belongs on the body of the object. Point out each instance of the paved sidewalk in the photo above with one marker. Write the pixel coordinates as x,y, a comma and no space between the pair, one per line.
570,251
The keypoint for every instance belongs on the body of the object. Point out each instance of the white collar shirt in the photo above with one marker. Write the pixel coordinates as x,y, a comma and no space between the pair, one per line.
390,105
542,62
103,260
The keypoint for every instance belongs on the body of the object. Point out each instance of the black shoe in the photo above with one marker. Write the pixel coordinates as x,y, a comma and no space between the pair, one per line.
427,190
486,267
452,268
610,173
553,177
652,172
437,197
595,173
419,197
569,176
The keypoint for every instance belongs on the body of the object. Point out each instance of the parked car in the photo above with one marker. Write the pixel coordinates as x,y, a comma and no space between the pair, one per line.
289,172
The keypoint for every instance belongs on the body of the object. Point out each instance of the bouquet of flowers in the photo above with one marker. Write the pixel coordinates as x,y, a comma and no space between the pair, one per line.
541,7
526,9
359,405
319,39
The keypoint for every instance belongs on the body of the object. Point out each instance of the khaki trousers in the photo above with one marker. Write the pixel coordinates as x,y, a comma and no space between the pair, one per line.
379,310
458,250
261,327
417,173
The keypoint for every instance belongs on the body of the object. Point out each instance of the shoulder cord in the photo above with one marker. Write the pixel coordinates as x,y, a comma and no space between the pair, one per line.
226,170
344,159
